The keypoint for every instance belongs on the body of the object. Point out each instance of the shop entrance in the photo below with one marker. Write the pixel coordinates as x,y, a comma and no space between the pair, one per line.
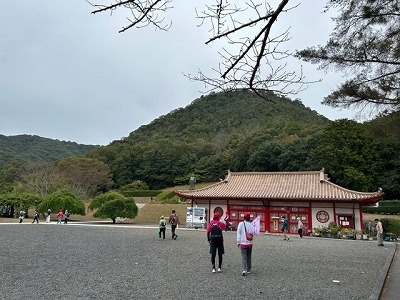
291,213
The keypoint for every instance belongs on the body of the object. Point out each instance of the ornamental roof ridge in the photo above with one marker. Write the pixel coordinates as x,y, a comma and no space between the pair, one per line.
303,185
379,191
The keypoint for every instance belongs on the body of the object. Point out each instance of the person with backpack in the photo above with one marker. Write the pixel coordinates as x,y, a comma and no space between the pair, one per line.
174,221
245,232
163,227
216,240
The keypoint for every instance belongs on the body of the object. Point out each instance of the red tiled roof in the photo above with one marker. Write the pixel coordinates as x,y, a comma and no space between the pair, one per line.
294,186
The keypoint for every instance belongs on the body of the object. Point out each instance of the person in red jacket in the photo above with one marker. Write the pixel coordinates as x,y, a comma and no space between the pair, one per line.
216,241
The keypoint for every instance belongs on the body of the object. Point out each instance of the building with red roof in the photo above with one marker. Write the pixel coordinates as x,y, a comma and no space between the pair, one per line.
308,195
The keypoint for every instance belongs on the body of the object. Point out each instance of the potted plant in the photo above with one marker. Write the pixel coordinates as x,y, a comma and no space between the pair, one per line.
316,232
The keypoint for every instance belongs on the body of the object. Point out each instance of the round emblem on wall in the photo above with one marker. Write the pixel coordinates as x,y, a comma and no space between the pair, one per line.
322,216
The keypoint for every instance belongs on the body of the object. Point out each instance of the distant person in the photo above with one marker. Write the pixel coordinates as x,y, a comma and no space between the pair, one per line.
245,232
216,240
21,215
59,216
300,227
285,228
66,217
379,232
35,217
162,228
226,219
48,215
174,221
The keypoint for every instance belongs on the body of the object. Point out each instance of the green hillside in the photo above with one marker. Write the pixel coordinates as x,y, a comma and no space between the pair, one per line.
221,131
30,148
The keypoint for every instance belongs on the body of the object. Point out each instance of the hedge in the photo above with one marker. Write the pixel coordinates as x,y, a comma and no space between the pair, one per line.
388,207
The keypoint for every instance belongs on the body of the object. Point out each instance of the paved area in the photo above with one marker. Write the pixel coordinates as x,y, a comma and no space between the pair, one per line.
106,261
391,288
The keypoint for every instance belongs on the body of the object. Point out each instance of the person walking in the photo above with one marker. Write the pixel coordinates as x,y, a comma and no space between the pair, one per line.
35,217
285,228
379,232
59,216
48,215
162,228
174,221
66,216
245,232
21,215
216,240
300,227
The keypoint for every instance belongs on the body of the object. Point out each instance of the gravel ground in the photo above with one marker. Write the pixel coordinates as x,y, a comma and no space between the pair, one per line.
81,261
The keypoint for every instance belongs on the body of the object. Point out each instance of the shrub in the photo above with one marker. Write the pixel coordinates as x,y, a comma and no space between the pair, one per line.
389,207
391,225
333,228
167,197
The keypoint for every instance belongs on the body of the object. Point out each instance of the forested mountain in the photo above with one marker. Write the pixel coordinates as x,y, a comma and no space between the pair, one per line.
236,130
31,148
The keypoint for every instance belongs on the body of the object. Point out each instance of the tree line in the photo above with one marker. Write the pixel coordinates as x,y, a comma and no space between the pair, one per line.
215,133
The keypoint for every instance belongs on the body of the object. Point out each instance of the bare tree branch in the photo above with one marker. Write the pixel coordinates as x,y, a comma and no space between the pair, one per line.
254,63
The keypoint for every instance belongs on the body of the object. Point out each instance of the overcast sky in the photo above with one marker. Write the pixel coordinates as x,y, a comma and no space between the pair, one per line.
67,74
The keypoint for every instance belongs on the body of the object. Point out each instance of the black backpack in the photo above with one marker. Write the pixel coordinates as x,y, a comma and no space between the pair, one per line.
215,233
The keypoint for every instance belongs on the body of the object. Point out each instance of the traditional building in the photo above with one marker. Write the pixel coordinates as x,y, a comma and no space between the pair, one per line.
308,195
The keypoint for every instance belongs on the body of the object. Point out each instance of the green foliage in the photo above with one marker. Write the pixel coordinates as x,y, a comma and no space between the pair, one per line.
222,131
20,200
215,133
124,208
365,46
391,225
349,155
333,228
135,186
140,193
385,131
112,205
84,176
99,200
167,197
30,148
62,199
389,207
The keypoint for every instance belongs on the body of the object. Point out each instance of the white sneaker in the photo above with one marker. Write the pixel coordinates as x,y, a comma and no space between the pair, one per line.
219,270
244,273
213,271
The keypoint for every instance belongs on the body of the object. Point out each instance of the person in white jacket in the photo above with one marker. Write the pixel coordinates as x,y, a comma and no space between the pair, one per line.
245,232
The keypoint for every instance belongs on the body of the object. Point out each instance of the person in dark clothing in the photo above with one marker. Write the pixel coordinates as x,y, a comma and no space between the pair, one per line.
174,221
36,217
66,217
216,241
